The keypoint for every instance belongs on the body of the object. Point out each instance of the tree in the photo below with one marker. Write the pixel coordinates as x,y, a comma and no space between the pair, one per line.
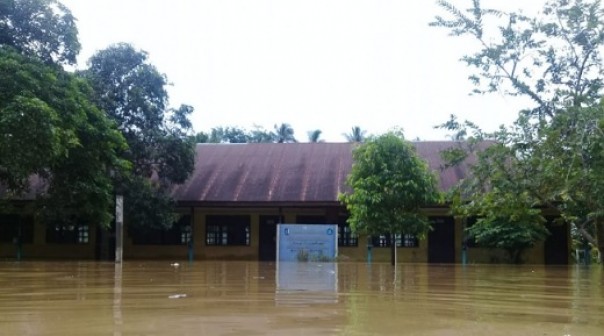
513,236
508,216
261,135
201,137
390,185
51,129
284,133
523,172
228,135
356,135
133,93
553,152
231,134
555,58
315,136
44,29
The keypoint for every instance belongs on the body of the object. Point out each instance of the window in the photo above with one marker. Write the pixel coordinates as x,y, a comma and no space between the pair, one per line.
227,230
67,233
217,235
406,240
186,234
345,235
402,240
82,237
179,234
15,226
380,240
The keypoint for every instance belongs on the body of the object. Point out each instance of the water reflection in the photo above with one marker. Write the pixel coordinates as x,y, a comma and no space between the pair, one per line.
117,301
306,283
247,298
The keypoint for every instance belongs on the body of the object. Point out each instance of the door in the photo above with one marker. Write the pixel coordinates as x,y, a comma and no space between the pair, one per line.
267,244
105,244
556,244
441,240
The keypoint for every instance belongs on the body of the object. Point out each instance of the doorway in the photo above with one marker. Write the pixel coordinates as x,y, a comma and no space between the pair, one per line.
556,244
441,240
267,244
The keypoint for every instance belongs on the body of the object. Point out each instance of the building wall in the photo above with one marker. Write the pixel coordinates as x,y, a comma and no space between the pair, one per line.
39,249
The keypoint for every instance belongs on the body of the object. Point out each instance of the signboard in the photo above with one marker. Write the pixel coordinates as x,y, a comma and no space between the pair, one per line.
307,242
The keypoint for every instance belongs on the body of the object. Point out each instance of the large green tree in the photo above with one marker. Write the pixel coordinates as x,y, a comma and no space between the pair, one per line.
44,29
51,130
390,185
132,92
552,156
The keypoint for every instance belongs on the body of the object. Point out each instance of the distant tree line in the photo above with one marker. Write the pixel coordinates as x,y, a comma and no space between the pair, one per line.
281,133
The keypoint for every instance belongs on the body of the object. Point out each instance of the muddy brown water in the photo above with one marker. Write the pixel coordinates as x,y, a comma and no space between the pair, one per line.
254,298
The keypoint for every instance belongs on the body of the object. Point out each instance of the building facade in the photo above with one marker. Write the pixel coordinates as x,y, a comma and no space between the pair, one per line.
238,193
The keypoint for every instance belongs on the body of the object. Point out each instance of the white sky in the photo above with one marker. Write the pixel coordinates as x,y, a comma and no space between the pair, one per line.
326,64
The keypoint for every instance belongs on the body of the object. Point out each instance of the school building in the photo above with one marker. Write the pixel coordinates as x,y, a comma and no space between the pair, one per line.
238,193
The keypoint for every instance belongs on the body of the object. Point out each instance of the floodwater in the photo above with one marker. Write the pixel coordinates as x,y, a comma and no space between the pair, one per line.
254,298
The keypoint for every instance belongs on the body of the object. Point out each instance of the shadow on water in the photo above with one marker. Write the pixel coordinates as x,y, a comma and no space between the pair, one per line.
258,298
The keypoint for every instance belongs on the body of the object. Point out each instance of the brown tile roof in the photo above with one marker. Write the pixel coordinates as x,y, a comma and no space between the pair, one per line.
286,173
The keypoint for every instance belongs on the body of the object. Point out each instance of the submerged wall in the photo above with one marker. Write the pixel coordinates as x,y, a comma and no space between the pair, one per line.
256,244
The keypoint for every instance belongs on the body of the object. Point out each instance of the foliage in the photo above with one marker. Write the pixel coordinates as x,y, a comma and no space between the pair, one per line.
232,135
154,206
133,93
512,237
258,134
50,128
555,58
553,154
314,136
390,185
509,217
201,137
559,166
284,133
356,135
44,29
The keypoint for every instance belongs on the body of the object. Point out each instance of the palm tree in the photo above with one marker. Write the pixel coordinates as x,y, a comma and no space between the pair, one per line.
356,135
313,136
284,133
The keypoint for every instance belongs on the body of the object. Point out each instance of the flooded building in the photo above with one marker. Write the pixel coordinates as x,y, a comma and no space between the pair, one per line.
238,193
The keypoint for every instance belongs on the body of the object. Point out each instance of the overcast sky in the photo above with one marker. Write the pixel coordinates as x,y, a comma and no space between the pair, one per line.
315,64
